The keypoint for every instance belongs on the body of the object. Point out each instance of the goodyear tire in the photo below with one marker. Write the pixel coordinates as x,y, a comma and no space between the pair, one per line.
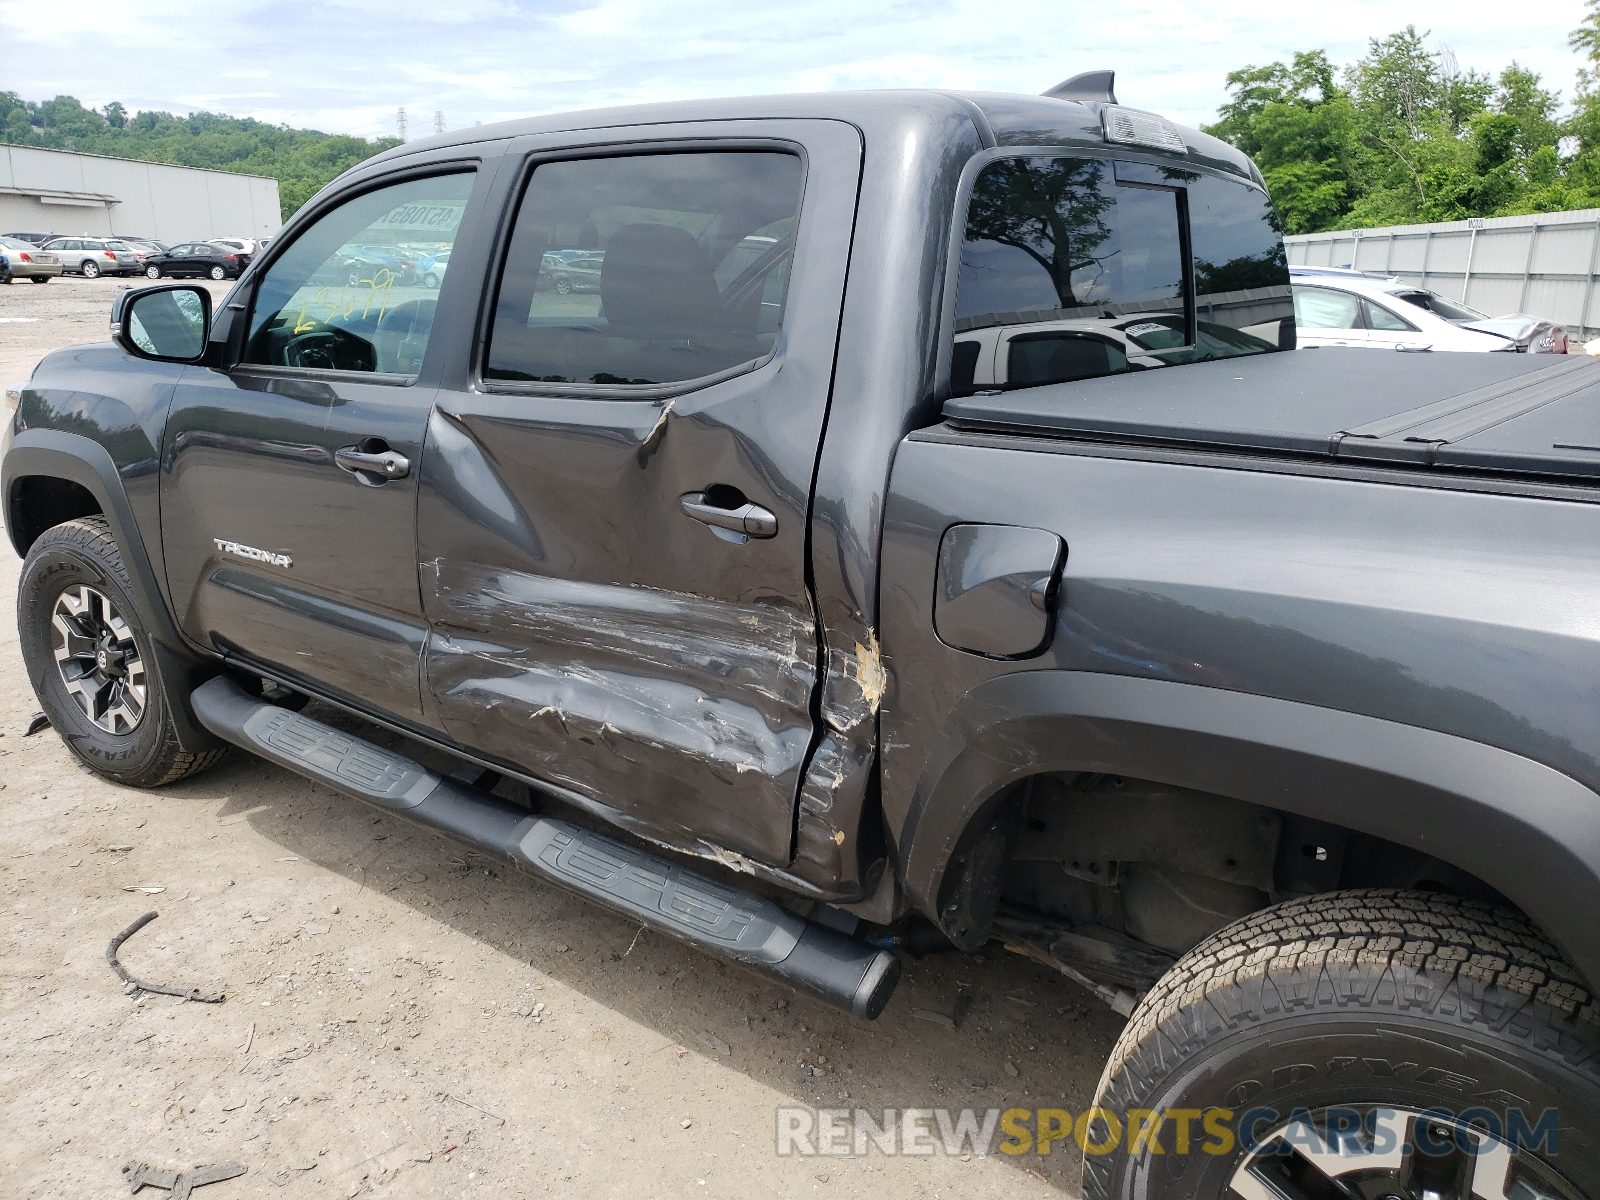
1398,1015
91,662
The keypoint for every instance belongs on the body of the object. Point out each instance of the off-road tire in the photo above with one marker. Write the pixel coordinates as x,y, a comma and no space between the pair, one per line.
1376,996
84,551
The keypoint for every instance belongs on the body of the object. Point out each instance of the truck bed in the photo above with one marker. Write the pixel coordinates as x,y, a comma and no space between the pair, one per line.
1532,415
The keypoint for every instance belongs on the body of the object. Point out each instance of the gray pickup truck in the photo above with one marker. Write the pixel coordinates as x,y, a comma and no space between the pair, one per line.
921,532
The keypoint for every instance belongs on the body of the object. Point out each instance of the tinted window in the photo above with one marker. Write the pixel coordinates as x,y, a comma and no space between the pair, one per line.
646,269
344,296
1380,317
1035,358
1241,274
1056,238
1324,308
1078,263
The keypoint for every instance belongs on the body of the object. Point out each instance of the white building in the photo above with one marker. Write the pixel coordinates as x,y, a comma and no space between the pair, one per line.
58,191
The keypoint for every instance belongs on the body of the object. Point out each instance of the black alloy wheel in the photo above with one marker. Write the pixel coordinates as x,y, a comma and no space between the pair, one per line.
98,660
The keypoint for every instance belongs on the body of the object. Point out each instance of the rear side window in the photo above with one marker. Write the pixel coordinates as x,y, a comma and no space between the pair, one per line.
1073,268
346,296
646,269
1380,317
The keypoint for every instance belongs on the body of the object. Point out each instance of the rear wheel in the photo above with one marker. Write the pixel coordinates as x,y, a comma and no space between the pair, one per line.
89,268
91,661
1362,1045
41,279
218,273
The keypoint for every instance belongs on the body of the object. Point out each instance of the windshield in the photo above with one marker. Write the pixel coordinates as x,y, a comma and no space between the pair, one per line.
1079,267
1435,303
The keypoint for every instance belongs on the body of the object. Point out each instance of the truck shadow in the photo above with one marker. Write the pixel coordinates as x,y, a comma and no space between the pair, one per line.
1009,1013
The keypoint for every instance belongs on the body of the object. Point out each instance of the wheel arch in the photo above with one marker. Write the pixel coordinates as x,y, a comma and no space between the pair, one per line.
79,470
1526,829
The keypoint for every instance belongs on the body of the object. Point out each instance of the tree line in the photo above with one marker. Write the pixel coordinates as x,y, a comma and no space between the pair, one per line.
1404,135
301,160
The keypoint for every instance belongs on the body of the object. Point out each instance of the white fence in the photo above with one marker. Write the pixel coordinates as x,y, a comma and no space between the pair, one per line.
1546,264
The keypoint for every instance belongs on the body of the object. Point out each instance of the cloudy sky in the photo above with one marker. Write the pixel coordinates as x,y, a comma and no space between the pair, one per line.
345,66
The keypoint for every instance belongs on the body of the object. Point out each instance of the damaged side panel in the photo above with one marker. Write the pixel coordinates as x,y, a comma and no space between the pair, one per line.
640,699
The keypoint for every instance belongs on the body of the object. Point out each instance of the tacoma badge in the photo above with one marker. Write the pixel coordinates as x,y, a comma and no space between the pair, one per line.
266,556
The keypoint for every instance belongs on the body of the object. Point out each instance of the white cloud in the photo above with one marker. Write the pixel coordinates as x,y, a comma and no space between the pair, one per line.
346,65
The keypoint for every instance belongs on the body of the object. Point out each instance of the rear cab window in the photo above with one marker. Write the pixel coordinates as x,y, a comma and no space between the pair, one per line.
1078,267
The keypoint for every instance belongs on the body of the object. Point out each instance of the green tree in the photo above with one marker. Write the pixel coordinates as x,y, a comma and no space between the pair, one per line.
1404,135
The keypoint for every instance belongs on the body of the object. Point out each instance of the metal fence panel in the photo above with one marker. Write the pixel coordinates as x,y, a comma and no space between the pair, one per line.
1545,264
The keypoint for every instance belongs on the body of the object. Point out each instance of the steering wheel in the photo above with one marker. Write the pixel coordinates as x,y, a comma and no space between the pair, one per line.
329,349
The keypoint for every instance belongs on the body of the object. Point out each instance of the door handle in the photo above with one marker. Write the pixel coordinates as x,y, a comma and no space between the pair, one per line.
372,462
746,519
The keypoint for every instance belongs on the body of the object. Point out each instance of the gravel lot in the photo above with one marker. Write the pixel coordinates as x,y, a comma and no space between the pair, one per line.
376,980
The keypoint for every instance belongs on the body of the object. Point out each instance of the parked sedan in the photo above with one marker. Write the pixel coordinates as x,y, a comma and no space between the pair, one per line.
1334,307
30,262
244,246
92,257
196,258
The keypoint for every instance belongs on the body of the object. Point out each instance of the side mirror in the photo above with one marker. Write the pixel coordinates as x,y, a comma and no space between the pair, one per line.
167,323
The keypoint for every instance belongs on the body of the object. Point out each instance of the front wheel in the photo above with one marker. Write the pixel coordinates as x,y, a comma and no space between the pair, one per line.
152,272
1374,1043
91,662
218,273
89,268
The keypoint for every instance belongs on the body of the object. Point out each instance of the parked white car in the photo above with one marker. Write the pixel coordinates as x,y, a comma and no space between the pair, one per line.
1334,307
238,245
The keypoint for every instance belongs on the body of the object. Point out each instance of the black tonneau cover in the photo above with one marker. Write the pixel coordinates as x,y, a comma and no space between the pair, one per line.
1532,414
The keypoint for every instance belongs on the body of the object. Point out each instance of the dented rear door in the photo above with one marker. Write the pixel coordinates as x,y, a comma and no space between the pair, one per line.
616,485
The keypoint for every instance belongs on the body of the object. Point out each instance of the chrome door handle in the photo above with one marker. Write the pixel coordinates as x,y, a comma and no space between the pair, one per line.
750,520
372,467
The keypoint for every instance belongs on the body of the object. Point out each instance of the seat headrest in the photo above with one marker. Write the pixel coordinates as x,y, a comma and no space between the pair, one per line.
656,284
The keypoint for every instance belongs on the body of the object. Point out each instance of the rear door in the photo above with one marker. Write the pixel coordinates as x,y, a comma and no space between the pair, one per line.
1387,329
613,517
289,487
1328,317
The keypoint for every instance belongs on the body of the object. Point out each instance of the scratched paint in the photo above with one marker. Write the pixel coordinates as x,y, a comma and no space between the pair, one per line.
638,698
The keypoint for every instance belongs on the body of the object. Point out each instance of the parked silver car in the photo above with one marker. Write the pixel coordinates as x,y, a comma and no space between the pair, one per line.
28,261
93,257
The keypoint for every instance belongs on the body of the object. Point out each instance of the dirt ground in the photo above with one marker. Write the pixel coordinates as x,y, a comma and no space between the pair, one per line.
381,1031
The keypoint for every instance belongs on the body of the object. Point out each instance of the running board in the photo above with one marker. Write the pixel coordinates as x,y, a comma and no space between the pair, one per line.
664,895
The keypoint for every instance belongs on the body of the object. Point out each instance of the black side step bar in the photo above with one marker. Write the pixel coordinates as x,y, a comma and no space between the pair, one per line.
664,895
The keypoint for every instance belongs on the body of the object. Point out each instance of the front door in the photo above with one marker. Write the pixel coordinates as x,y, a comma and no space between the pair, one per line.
289,488
613,519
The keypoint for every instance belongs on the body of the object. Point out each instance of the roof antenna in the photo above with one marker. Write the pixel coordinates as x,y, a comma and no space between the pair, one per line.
1091,87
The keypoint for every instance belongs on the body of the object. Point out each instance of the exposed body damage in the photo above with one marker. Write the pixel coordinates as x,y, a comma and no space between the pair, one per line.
678,698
